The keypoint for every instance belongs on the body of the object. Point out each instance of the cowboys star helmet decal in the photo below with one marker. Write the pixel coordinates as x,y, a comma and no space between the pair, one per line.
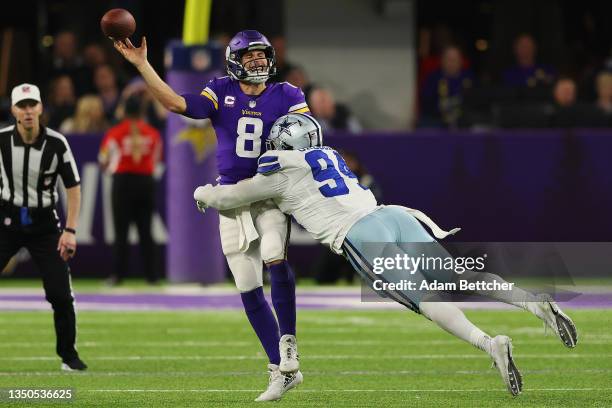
286,124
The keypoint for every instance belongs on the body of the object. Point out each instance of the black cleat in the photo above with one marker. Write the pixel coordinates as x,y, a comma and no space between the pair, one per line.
74,365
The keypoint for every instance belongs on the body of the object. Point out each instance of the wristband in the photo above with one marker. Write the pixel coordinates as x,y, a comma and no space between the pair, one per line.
70,230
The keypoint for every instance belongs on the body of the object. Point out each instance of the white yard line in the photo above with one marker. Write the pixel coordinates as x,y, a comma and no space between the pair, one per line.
251,344
381,373
424,390
321,357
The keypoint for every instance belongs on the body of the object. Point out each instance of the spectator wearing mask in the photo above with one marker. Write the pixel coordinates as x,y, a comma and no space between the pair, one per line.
331,115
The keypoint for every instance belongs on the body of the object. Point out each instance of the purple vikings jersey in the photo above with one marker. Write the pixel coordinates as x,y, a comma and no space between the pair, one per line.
242,122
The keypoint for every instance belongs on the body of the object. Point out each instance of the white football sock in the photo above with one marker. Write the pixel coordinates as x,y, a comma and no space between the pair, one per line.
450,318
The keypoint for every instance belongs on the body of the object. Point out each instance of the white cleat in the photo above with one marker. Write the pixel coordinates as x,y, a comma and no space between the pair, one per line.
501,351
557,321
290,359
279,384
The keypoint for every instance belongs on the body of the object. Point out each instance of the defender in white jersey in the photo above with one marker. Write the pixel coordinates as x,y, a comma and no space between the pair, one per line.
313,184
327,211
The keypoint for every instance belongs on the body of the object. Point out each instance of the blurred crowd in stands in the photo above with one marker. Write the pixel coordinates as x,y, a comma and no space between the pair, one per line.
87,83
526,94
88,87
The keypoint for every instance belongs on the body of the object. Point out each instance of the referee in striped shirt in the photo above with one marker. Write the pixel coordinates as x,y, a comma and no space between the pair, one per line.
32,157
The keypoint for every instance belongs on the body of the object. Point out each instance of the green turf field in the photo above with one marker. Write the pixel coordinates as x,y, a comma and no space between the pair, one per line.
349,358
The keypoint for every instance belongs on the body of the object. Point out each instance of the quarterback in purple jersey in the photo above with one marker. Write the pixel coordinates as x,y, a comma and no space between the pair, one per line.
242,109
241,120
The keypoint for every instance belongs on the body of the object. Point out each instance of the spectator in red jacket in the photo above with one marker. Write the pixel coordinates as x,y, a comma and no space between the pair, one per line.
130,151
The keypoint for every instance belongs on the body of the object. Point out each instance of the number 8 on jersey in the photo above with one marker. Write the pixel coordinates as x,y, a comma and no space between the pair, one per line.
248,143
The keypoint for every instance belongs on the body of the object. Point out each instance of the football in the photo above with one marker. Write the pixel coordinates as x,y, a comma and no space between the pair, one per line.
118,24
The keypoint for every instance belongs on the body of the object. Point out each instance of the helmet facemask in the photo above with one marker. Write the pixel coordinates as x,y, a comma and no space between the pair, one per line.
277,143
251,73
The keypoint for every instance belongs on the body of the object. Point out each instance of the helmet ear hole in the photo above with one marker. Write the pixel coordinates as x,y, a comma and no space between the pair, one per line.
312,138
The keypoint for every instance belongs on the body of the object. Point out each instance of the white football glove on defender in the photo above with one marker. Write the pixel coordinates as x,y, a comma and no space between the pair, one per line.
198,194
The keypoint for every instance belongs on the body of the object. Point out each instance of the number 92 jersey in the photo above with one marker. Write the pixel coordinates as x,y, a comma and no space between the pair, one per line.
242,122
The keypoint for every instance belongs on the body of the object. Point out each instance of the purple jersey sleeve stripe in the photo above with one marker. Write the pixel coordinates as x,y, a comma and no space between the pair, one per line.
198,106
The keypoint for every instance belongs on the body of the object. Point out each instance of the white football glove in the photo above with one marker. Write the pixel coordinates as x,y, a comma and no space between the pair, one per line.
199,193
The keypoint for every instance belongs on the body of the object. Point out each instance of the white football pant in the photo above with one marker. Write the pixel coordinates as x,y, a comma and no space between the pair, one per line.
273,229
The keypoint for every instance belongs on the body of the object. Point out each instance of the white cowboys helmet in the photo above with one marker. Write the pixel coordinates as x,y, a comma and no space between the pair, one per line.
294,131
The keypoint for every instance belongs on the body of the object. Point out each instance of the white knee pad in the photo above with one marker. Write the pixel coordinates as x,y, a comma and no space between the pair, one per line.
246,267
273,228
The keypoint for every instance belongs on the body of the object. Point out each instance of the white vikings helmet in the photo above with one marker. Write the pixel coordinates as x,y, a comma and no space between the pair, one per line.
294,131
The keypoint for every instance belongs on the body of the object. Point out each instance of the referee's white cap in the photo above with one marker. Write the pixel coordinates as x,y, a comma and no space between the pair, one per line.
23,92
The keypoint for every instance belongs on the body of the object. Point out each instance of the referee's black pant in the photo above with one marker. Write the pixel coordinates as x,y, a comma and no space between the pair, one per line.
40,239
133,197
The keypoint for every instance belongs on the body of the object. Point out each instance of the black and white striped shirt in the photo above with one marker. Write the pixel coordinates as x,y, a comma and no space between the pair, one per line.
29,172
